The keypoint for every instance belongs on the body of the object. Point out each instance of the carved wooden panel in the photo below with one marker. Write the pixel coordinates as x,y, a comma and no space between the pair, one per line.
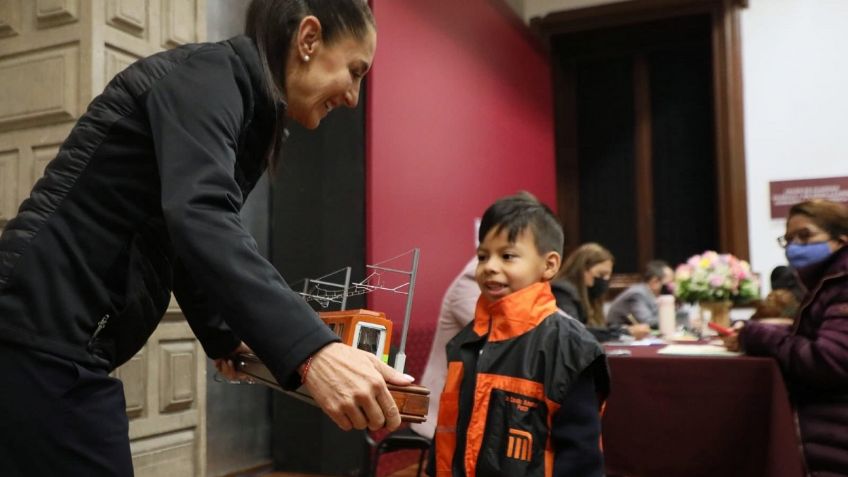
127,15
47,75
176,375
133,374
116,61
179,25
165,455
10,17
39,88
8,185
55,12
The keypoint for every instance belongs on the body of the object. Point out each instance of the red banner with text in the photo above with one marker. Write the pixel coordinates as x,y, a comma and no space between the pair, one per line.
785,194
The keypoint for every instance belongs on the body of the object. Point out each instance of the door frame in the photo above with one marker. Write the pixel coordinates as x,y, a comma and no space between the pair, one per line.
731,193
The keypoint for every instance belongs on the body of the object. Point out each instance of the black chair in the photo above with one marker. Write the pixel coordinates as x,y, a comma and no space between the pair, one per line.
401,439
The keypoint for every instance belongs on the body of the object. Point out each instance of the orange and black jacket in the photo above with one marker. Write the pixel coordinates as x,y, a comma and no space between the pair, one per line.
523,393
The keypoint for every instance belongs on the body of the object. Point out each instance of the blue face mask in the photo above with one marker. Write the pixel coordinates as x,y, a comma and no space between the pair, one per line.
804,255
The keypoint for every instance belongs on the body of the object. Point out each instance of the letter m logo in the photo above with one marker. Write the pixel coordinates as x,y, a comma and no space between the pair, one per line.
520,445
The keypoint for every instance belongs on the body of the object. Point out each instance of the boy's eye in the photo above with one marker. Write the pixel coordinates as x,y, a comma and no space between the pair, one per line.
509,256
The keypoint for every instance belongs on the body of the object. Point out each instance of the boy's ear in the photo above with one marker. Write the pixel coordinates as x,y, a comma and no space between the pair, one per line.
552,263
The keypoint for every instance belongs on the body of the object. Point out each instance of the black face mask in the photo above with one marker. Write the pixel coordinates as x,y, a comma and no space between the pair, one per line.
665,290
598,289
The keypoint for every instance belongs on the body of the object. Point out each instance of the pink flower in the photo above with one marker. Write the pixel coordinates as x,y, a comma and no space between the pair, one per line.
710,275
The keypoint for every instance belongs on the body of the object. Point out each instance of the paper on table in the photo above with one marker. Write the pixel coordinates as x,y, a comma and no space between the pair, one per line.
697,350
648,341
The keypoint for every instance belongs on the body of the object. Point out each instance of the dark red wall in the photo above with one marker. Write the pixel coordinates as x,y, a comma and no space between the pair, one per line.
459,112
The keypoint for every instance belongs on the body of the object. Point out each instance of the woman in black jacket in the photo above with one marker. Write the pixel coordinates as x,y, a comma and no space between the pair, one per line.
580,288
143,199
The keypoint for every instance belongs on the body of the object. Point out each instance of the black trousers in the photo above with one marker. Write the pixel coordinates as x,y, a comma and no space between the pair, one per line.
60,418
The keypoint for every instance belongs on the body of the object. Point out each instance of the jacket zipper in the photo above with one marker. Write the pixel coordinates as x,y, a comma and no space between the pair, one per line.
466,401
100,325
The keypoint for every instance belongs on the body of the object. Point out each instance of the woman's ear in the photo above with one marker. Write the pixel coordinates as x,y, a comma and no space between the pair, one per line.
308,37
552,263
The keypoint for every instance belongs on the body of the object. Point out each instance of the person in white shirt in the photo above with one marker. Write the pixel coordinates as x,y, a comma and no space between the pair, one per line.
456,312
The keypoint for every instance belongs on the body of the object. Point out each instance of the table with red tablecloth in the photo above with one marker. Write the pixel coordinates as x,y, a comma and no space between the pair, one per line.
687,416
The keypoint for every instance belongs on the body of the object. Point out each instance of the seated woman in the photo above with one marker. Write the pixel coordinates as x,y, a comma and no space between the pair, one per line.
813,353
580,287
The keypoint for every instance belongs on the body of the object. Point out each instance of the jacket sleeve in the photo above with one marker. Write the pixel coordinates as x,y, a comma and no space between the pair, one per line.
820,362
642,311
196,113
215,335
576,432
604,335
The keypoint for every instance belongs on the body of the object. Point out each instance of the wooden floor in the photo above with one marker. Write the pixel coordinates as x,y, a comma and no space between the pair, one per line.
408,472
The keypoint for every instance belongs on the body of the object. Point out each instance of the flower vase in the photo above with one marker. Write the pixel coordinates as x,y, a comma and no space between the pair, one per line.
719,311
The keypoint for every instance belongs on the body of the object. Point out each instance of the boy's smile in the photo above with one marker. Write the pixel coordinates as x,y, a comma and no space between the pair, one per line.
505,267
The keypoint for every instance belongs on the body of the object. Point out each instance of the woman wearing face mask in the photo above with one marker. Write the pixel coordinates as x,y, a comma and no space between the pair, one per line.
580,288
143,199
813,352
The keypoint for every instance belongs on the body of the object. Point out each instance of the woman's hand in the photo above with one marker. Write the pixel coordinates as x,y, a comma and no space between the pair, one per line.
350,386
639,331
731,342
227,368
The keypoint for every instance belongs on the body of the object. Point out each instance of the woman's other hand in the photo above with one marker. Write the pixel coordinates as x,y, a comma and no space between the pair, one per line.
227,368
350,387
731,342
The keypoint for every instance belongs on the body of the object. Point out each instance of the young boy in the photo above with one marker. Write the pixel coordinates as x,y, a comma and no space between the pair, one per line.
521,394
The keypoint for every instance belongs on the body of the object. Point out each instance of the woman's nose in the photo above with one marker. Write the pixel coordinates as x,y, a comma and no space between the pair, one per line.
352,96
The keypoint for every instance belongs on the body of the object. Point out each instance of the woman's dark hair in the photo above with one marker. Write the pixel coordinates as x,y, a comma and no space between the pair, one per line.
655,269
272,24
516,213
784,278
832,217
585,257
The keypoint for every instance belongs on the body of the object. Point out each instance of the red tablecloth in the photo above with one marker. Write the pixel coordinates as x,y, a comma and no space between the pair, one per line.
681,416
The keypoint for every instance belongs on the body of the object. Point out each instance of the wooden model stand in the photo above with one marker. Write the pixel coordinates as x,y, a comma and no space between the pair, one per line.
367,330
412,401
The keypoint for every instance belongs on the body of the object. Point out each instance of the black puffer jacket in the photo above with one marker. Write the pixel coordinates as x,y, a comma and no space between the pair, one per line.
143,198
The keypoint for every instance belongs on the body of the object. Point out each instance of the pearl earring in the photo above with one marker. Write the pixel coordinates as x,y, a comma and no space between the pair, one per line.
306,58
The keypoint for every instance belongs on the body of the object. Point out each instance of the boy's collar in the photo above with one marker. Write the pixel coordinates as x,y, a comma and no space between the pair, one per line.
516,313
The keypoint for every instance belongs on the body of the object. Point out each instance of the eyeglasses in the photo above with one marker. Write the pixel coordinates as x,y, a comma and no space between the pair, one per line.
800,236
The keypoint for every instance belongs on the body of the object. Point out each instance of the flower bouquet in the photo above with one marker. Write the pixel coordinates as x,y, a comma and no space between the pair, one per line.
711,276
714,280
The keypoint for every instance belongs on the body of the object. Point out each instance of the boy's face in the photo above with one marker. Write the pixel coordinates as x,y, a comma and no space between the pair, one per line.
505,267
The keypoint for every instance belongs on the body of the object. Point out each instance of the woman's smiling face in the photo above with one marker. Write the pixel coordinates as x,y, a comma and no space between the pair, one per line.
321,77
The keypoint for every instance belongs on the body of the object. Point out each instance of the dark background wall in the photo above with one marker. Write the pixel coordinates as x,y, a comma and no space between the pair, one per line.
238,417
459,113
318,224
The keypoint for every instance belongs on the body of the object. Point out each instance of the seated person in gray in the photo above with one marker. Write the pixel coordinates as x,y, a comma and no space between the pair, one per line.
639,302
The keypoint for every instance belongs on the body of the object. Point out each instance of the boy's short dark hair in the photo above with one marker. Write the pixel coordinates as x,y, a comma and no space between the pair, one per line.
516,213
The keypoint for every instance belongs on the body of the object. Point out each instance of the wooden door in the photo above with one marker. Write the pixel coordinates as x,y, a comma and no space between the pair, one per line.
165,389
55,56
